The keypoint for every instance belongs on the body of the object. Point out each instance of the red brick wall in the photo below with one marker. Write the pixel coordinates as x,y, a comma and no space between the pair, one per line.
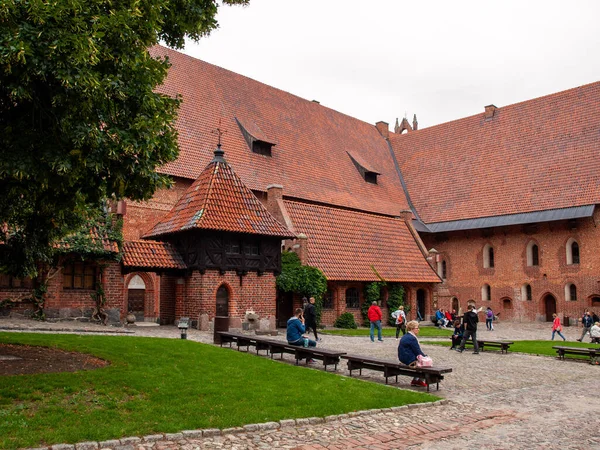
463,252
249,292
142,216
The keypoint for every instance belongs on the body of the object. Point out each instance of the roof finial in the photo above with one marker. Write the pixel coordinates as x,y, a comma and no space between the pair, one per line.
218,151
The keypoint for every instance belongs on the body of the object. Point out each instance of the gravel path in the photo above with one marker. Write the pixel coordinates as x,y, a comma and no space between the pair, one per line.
494,400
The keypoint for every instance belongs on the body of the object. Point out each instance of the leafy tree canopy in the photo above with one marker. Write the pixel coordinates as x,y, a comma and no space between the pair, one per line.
79,119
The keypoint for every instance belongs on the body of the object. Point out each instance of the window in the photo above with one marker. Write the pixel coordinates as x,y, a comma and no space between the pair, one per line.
488,256
251,249
572,251
371,177
533,254
352,298
486,292
570,292
262,148
441,269
528,296
79,275
328,300
368,173
6,281
506,303
233,247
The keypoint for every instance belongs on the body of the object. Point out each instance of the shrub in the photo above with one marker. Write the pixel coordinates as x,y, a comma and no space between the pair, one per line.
346,320
395,299
372,293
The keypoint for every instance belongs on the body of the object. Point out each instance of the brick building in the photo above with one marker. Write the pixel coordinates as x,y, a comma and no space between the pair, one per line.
498,208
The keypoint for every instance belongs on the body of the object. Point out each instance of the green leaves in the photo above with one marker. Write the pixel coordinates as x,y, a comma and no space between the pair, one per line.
80,120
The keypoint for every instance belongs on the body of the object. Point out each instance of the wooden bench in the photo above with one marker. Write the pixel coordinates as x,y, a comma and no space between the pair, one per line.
394,368
502,345
243,340
273,347
562,351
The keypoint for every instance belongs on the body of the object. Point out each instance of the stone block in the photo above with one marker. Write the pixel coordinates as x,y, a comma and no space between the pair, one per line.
192,434
153,437
133,440
86,446
287,423
109,444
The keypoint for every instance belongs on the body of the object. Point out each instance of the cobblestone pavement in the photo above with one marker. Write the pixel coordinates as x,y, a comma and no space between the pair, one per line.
494,401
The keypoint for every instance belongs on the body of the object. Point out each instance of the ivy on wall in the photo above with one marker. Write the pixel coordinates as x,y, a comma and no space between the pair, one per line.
307,281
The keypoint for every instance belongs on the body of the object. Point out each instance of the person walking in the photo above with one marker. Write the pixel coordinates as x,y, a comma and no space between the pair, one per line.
400,321
470,320
374,314
557,327
409,349
586,322
489,319
310,317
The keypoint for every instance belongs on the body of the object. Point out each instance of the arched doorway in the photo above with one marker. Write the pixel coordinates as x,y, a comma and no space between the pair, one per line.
136,293
455,304
222,301
421,297
285,307
549,307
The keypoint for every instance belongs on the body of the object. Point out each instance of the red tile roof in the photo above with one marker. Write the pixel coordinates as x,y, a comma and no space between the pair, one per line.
347,245
219,200
151,255
309,159
531,156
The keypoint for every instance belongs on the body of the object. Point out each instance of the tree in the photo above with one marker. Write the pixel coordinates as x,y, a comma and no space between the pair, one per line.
80,121
308,281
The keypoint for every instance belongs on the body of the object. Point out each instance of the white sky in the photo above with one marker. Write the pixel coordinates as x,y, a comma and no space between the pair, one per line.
382,59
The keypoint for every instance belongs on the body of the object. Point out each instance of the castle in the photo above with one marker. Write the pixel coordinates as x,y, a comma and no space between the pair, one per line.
498,209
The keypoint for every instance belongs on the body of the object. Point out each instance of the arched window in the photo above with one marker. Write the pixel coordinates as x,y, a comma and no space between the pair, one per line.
441,269
488,256
526,292
486,292
570,292
572,251
506,303
352,298
328,299
533,257
222,301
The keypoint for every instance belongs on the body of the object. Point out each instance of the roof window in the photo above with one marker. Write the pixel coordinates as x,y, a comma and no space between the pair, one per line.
256,139
366,171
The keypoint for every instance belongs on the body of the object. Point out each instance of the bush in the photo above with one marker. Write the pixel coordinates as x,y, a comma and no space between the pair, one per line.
346,320
395,299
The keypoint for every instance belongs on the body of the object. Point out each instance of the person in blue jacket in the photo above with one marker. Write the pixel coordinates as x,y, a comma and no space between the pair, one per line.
296,329
409,349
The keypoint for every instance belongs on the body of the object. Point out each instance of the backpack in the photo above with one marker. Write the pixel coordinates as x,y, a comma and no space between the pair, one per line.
399,319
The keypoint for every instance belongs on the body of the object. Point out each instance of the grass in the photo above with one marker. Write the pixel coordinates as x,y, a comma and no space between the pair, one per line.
535,347
388,332
165,386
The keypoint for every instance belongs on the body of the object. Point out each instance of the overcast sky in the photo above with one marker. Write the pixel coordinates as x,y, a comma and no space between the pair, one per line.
381,59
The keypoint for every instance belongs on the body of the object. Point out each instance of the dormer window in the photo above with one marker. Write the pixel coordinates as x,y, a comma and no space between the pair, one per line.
259,142
262,148
366,171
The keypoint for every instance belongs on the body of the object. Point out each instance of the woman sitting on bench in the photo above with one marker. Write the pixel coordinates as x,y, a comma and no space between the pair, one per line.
595,333
409,349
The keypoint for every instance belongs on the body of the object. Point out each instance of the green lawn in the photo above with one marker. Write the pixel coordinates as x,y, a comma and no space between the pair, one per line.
169,385
535,347
388,332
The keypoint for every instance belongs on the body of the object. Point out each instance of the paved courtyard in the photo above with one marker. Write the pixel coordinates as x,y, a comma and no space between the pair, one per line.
494,401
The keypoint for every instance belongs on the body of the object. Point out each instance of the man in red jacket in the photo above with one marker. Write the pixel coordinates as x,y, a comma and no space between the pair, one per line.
375,317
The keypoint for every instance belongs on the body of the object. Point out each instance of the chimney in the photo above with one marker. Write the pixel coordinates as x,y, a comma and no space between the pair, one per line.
406,215
301,248
415,123
383,128
274,201
489,112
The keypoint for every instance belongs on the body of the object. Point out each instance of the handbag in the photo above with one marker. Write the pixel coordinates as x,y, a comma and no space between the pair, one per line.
424,361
